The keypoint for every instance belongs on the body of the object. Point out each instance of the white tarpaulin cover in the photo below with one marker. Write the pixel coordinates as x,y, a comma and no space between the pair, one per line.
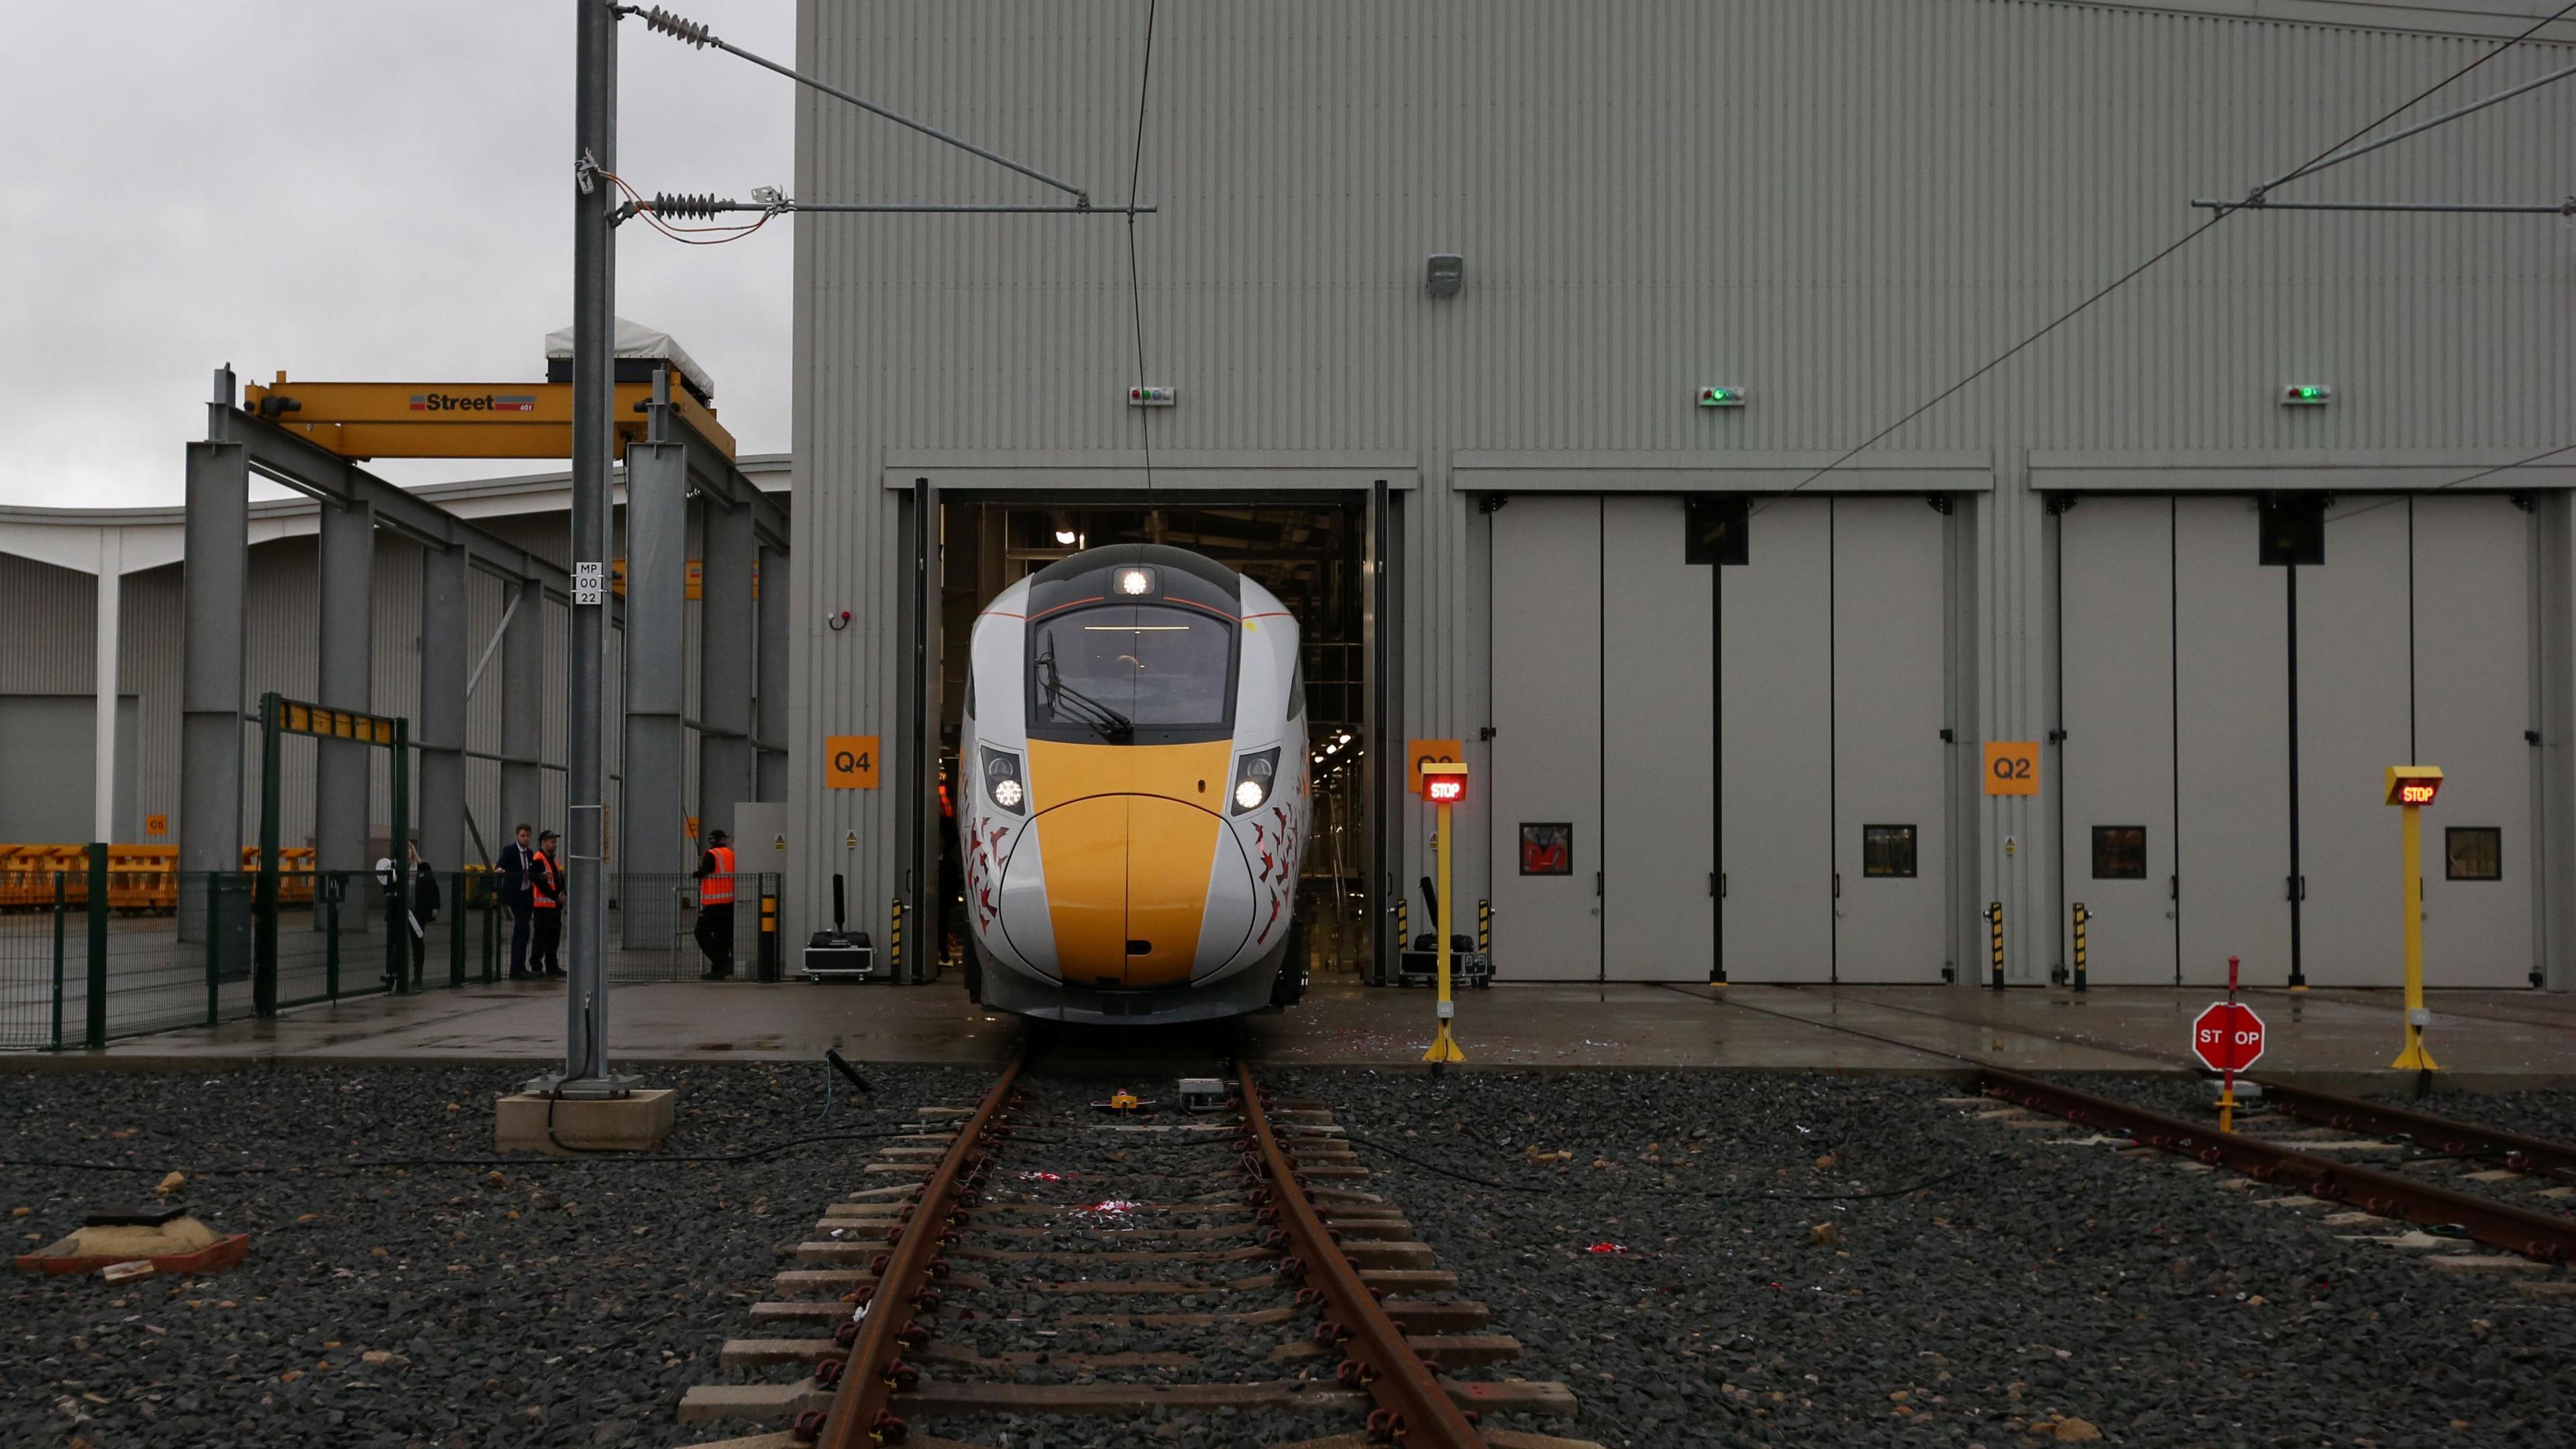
634,339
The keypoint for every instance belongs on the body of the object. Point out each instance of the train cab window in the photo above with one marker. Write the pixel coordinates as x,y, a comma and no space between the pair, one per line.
2119,852
1297,690
1130,671
1887,850
2473,852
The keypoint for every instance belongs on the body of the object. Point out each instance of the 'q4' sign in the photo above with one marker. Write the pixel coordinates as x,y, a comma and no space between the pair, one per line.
2227,1037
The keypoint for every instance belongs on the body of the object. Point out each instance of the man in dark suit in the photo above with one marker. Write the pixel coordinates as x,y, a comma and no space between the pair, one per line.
517,869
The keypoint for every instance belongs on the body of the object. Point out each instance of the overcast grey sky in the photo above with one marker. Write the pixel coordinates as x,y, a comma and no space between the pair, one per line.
349,189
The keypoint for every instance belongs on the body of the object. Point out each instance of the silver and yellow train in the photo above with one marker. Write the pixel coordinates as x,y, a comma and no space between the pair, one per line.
1135,795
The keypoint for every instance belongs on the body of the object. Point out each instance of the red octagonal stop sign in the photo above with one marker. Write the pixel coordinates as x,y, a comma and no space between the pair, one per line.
2227,1037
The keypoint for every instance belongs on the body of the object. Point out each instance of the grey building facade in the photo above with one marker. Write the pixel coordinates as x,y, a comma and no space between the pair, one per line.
1772,768
80,586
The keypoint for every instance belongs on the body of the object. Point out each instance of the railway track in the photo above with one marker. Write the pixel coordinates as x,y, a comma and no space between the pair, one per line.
2518,1202
1032,1263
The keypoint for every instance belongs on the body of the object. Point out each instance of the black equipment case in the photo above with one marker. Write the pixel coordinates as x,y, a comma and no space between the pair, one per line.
839,954
1419,963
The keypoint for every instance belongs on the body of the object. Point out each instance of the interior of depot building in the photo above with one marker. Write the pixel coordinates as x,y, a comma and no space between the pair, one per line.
1313,555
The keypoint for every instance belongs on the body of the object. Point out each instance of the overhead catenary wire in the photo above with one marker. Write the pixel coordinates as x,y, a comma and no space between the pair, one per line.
2186,239
2454,483
699,34
1135,283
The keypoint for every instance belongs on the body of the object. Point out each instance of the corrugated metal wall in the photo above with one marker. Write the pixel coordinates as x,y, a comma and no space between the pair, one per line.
53,614
1841,204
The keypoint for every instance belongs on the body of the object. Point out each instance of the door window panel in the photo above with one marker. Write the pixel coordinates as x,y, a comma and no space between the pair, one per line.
2119,852
1887,851
2473,852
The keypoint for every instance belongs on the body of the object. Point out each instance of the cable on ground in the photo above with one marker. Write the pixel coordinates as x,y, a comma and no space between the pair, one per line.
366,1164
1698,1196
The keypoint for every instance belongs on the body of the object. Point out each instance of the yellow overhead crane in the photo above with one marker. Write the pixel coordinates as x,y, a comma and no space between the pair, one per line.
456,419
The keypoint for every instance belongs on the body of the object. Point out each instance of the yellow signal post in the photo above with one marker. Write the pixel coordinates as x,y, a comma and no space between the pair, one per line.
2410,789
1444,785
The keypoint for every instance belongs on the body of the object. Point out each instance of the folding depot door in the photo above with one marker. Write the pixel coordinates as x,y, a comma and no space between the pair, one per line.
2202,684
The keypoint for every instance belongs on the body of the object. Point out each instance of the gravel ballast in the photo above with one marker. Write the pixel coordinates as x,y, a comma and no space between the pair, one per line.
533,1303
2039,1280
2035,1292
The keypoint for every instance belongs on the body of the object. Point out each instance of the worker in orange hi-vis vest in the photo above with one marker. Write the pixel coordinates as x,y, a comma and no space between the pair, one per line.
546,891
715,906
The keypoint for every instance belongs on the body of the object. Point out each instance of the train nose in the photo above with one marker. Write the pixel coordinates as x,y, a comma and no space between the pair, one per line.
1127,888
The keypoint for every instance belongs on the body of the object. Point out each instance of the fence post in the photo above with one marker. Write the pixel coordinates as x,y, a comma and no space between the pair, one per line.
456,932
264,902
214,950
58,960
491,934
326,899
96,1035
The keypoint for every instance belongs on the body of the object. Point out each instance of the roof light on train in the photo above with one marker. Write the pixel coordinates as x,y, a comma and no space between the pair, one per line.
1135,581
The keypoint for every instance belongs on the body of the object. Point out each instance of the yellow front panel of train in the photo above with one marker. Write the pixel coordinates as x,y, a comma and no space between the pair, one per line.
1083,846
1169,850
1128,834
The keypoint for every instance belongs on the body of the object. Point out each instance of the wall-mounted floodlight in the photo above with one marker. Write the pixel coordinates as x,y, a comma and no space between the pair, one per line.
2306,395
1722,395
1444,274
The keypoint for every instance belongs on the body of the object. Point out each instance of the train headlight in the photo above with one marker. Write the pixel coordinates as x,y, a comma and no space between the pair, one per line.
1254,775
1134,582
1002,782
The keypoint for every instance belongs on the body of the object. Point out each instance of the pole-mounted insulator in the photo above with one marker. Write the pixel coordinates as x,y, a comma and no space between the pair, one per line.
677,27
687,206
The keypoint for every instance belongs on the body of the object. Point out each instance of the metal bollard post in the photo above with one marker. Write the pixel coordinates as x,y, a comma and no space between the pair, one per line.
2080,919
1995,917
1485,931
456,931
894,945
767,968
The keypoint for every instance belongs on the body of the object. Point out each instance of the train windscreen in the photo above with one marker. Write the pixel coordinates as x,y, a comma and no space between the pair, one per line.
1121,668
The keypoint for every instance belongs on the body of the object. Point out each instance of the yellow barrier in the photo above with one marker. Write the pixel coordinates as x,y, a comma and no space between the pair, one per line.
141,879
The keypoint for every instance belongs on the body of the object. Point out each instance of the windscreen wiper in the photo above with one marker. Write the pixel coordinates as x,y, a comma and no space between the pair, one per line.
1108,723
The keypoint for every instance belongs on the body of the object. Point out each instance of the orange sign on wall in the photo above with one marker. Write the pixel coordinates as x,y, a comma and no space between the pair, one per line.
1418,753
849,762
2012,767
156,825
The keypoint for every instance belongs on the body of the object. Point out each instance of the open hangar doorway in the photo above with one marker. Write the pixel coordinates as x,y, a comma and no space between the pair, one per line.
1318,551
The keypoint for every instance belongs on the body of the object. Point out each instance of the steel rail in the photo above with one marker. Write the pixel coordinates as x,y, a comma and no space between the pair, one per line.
2547,1238
1413,1407
859,1416
2433,1134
